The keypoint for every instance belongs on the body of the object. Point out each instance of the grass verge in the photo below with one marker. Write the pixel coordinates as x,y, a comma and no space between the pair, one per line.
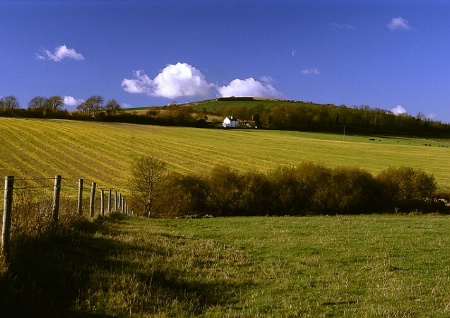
359,266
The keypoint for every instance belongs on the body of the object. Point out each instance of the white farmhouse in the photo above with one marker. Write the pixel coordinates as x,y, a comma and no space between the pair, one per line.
230,122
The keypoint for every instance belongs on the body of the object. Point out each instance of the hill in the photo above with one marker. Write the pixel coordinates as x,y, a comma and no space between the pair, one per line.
297,116
218,104
103,151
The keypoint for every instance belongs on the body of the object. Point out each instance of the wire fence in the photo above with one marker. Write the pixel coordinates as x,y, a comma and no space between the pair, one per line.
32,206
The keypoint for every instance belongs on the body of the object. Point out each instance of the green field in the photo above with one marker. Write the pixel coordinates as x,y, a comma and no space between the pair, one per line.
214,105
102,152
328,266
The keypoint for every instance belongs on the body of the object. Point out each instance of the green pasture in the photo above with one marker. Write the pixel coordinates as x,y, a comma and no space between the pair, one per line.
213,105
103,151
327,266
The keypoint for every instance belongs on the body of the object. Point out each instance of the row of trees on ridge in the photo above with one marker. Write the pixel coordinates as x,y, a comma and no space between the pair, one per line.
285,115
53,106
303,116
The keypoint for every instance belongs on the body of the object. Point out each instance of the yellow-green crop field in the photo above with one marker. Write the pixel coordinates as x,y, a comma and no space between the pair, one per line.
102,152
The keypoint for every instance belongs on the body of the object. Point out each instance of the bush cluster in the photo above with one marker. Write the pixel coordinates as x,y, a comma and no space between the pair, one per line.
307,189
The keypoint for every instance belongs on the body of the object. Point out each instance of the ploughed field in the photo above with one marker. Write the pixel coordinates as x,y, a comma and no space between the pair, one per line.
102,152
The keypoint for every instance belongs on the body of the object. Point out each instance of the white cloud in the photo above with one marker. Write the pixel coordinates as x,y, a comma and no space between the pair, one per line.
184,80
399,24
60,53
179,80
139,84
39,57
71,101
398,110
266,79
248,87
311,71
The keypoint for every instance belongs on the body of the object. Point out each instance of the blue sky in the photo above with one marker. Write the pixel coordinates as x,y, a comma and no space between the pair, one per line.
384,54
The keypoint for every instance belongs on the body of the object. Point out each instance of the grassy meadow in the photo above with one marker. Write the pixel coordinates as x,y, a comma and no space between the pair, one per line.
102,152
329,266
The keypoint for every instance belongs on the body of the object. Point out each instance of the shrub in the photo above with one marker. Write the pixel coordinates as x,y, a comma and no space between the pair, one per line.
403,187
352,190
225,189
289,194
316,187
256,196
184,195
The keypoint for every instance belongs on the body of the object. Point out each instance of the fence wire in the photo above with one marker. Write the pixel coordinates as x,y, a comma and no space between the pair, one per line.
33,201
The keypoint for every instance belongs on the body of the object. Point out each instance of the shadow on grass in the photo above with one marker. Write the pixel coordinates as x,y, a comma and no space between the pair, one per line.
48,275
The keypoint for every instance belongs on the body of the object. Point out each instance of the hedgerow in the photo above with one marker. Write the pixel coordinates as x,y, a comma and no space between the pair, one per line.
306,189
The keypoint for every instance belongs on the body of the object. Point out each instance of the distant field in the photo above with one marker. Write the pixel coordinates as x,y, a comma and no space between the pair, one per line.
103,151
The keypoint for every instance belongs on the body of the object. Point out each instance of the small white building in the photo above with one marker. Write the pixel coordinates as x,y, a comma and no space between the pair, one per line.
230,122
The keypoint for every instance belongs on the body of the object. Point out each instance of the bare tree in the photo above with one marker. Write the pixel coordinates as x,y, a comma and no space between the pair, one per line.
112,107
9,102
37,103
147,176
82,107
46,105
94,104
54,103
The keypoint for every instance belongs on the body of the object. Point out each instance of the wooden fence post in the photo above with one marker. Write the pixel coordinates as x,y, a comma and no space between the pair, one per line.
109,201
80,196
56,194
7,210
121,203
102,202
115,201
92,199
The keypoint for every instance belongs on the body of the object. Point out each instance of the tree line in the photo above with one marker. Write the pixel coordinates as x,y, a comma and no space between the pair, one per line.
301,116
307,189
287,115
53,106
94,109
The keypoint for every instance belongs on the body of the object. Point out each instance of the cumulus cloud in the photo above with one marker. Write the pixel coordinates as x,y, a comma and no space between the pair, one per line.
399,24
398,110
248,87
311,71
60,53
71,101
184,80
179,80
139,84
